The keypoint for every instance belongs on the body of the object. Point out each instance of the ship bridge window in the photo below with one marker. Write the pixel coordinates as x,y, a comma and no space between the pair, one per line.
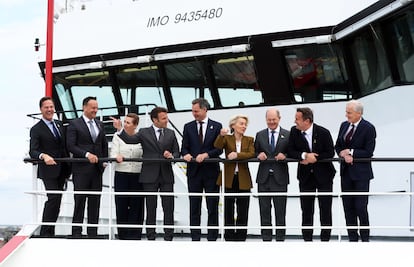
65,101
316,73
401,32
187,81
103,94
236,81
76,86
370,62
141,86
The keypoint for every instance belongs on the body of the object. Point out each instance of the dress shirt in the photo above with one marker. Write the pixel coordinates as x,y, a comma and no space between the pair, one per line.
95,127
308,137
205,121
276,134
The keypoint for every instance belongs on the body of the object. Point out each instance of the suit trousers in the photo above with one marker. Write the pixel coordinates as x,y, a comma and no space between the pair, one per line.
265,205
52,205
167,203
308,207
356,208
199,184
129,209
87,181
241,203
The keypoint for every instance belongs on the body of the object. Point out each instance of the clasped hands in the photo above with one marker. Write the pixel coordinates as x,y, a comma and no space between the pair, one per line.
346,155
263,156
309,158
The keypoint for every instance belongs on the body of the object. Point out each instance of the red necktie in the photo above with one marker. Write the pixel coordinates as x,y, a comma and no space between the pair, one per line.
348,137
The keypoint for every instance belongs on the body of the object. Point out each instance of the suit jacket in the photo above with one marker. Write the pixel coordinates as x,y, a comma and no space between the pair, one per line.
363,145
42,140
79,141
280,170
228,142
322,144
191,145
153,149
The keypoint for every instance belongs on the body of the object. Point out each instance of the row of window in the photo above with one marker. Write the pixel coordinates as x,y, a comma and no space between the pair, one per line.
377,57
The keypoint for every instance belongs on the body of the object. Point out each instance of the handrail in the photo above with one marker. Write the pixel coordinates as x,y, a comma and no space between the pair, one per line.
379,159
337,195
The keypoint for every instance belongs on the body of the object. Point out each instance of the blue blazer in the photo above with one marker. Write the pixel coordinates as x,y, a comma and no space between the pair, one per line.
43,141
191,145
363,145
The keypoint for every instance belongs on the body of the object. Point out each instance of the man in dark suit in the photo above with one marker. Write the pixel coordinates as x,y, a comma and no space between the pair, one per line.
309,143
272,143
86,139
47,142
197,145
356,139
158,142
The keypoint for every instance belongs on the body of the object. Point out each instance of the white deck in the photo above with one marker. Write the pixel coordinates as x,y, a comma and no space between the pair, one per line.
66,252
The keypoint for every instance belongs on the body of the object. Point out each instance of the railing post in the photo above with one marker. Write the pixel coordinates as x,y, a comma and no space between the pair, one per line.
110,195
35,217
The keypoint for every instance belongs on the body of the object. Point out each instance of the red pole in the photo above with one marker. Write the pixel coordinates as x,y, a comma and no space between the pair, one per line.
49,48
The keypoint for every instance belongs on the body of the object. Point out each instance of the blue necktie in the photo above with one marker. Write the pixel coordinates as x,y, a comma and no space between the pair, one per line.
92,129
55,131
161,135
272,140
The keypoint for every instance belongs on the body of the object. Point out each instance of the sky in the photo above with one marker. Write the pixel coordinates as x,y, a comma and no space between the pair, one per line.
21,87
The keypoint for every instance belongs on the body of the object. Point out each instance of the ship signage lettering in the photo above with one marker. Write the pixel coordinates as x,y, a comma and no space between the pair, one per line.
186,17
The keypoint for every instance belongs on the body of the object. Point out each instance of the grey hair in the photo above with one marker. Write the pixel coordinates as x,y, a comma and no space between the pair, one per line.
356,106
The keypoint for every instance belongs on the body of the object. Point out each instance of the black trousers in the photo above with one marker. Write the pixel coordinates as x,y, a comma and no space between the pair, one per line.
198,185
88,181
307,204
241,205
129,209
52,205
356,208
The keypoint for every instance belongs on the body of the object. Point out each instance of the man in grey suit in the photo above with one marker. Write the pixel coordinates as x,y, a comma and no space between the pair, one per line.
158,142
272,143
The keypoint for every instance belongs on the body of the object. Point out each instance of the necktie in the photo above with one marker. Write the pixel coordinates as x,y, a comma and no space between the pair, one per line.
160,135
306,140
55,131
272,140
348,137
92,130
200,132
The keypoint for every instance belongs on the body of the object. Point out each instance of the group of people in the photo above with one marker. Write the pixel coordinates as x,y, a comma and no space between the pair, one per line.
204,138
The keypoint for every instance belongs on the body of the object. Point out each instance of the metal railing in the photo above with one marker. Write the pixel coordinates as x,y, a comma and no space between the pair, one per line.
110,193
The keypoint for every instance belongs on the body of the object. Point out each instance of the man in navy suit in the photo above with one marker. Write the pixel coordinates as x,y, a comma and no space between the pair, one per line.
356,139
197,145
47,141
309,143
158,142
86,139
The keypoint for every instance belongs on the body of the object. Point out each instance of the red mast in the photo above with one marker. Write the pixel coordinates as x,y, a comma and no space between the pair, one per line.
49,48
